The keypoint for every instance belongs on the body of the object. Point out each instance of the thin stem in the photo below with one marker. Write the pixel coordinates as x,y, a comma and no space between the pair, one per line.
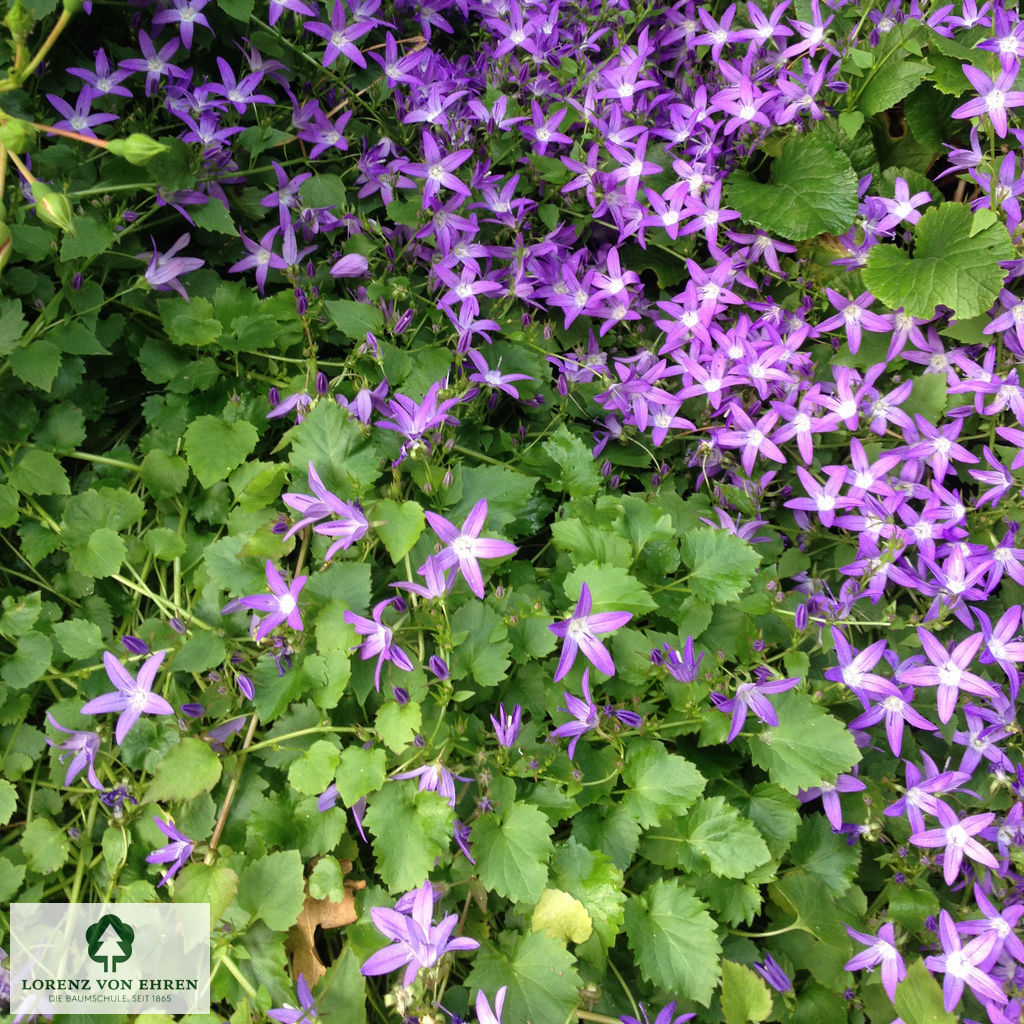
764,935
62,21
237,974
50,130
230,796
625,988
103,460
274,741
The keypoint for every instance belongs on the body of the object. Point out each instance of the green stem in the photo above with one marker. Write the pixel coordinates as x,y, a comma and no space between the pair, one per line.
236,973
315,730
76,886
103,460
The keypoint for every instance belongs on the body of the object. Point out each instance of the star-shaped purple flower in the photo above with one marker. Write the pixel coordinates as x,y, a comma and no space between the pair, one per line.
282,603
132,696
464,546
176,852
580,632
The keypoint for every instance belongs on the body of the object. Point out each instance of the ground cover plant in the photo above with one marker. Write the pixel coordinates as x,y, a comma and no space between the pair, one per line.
514,504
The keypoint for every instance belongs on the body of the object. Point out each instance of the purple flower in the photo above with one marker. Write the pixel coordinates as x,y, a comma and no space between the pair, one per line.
378,641
954,836
584,714
165,268
132,696
352,265
85,746
415,941
881,950
464,546
281,603
484,1013
187,14
948,671
506,727
994,99
340,37
963,964
829,793
176,852
750,696
434,778
349,526
104,81
261,256
772,972
414,421
289,1014
155,64
580,632
680,666
665,1016
79,118
437,170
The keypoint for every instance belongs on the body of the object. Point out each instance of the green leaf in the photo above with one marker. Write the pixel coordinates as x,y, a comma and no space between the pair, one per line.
214,448
36,364
721,564
78,638
344,459
596,882
39,472
579,473
45,846
314,771
190,324
184,772
165,544
206,883
272,889
776,814
11,877
813,190
201,652
355,318
895,74
540,973
399,525
8,507
12,324
512,851
214,216
101,555
8,801
482,653
807,747
88,238
731,845
164,475
612,588
674,939
326,882
950,266
411,829
506,490
29,661
745,997
919,998
397,724
807,898
562,917
819,851
661,785
360,772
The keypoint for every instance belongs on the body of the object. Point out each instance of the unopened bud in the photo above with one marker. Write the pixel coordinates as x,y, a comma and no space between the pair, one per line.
321,383
15,134
5,244
52,207
137,149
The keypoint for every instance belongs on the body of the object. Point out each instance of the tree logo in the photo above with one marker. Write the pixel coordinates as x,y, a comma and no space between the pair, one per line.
110,941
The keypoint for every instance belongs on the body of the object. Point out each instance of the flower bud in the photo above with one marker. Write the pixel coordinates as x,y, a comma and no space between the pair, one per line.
137,149
246,686
134,645
15,134
5,244
438,666
321,383
52,207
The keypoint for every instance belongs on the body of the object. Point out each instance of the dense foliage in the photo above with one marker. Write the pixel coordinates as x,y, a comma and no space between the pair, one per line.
514,504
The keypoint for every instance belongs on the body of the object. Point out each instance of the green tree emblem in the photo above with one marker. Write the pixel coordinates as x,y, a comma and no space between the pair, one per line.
110,941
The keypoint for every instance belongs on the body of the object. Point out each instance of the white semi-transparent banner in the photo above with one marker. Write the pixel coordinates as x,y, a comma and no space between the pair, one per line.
110,958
